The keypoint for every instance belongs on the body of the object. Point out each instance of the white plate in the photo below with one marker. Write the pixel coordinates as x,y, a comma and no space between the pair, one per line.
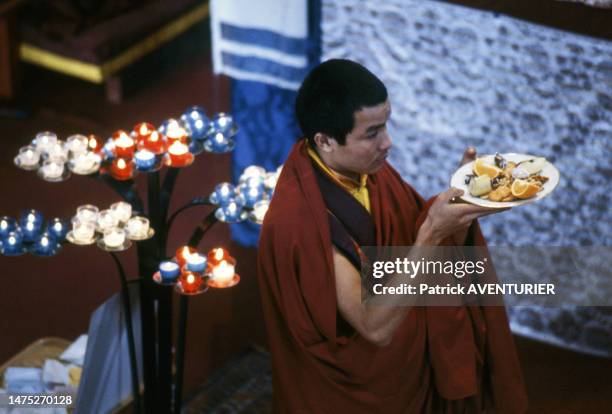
549,170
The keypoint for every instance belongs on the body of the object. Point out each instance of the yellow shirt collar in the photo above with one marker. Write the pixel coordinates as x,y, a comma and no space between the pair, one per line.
359,190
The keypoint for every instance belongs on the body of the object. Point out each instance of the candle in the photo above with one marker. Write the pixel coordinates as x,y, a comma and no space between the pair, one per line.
252,171
138,228
124,144
57,152
121,210
224,123
31,230
12,244
183,253
231,212
223,273
179,154
44,140
109,149
223,193
94,143
145,159
28,156
271,180
84,161
45,245
114,238
251,195
87,213
216,255
154,143
52,170
107,220
143,130
31,216
77,144
169,271
190,282
122,169
259,211
196,122
82,231
7,225
219,143
57,228
174,131
196,263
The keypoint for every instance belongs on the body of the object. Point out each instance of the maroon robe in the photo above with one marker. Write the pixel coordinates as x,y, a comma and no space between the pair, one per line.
440,360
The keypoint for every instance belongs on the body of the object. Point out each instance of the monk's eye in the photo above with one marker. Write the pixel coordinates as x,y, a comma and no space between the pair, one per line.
372,134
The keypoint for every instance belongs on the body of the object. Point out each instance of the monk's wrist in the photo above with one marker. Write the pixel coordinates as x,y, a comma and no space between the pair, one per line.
426,236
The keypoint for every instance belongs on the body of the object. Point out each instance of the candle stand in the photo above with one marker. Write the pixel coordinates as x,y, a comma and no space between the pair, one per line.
117,162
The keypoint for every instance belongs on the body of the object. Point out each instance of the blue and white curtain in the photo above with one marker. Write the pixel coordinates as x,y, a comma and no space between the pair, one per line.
267,48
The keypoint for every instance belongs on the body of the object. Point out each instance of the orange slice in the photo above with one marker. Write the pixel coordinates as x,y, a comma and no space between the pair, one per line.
482,168
524,189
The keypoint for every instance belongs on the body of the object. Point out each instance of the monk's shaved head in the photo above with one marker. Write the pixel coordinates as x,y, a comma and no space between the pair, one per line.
332,93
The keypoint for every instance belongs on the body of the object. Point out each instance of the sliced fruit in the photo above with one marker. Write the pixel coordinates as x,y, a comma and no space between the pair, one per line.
482,168
533,166
524,189
479,185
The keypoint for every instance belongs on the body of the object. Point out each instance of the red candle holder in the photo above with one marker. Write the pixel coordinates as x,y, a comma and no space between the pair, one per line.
182,253
175,132
178,155
216,255
153,142
122,169
190,282
94,143
142,131
124,144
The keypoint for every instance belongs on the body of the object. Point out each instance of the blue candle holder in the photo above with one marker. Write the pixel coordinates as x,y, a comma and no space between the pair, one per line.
58,229
232,211
109,149
219,143
251,195
30,230
169,271
224,192
223,123
46,245
170,122
196,263
32,215
7,225
145,160
196,122
13,244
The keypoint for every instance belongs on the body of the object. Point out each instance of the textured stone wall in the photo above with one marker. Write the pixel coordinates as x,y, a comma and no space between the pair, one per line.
460,77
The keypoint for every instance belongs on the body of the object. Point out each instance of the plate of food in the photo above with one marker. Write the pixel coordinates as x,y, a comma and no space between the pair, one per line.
506,180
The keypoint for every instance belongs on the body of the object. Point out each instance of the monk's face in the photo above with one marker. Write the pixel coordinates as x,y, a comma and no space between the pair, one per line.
367,145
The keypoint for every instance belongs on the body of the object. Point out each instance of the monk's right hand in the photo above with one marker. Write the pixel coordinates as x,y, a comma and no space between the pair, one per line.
445,218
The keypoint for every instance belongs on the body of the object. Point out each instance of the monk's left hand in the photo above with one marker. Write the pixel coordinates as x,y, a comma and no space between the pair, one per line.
469,155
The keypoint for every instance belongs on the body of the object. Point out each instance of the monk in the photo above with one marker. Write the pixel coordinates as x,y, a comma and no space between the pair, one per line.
331,351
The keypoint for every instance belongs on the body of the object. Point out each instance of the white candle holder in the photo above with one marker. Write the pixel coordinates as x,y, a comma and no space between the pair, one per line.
138,228
53,171
114,240
28,158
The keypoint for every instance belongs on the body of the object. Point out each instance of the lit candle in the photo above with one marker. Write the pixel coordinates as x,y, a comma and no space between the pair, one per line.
77,144
259,211
271,180
32,215
84,161
154,143
52,169
137,228
114,238
7,225
82,231
44,140
196,122
12,244
57,152
121,210
109,149
252,171
143,130
107,220
31,230
231,212
183,253
190,282
218,143
251,195
175,132
94,143
223,193
196,263
57,228
145,159
224,123
122,169
45,245
169,271
223,273
28,156
124,144
87,213
179,154
216,255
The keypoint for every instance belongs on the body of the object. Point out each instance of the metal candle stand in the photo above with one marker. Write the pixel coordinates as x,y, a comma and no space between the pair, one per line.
212,135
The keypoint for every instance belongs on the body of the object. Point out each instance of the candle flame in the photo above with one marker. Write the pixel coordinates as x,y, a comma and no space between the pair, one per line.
121,164
12,240
154,136
57,226
44,241
177,148
190,279
219,254
144,129
3,224
30,225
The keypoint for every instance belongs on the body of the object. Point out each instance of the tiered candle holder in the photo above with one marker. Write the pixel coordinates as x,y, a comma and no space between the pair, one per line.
118,161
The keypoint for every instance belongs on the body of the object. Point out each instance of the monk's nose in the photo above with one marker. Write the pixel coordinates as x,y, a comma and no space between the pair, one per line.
386,143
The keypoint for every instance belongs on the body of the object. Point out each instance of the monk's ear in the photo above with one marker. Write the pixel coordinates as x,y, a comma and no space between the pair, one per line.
324,142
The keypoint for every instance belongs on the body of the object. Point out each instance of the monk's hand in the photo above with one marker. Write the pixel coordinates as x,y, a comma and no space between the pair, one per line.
469,155
446,218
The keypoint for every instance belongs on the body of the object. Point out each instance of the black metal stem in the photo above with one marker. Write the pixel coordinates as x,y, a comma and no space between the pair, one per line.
180,354
127,311
202,228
